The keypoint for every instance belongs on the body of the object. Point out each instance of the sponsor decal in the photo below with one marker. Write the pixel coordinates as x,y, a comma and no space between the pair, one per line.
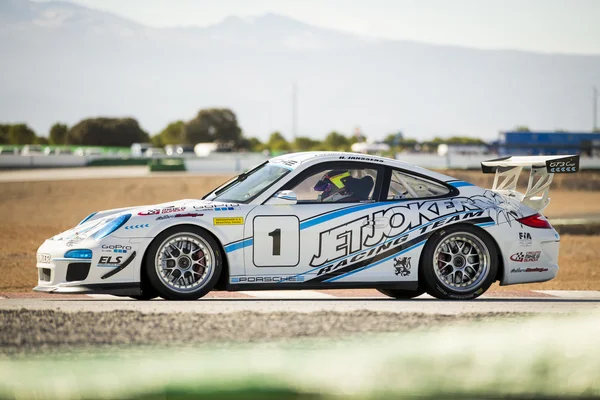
228,221
566,164
267,279
119,267
519,270
150,212
110,261
525,239
289,163
402,266
115,248
140,226
216,207
358,158
188,215
529,256
44,258
158,211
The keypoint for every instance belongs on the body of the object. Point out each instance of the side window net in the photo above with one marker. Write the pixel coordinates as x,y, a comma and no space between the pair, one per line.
404,186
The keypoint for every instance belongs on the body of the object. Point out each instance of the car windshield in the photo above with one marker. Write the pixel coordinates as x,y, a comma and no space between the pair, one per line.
247,186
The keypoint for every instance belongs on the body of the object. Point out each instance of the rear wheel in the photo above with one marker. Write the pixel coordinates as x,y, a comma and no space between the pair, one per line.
183,263
459,263
401,294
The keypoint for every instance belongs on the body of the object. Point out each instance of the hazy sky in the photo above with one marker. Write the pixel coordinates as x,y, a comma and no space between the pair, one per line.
567,26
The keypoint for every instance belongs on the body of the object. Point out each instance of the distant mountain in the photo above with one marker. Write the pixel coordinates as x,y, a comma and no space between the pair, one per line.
64,62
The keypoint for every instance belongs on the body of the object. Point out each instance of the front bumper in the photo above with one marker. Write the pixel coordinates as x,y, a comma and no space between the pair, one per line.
113,268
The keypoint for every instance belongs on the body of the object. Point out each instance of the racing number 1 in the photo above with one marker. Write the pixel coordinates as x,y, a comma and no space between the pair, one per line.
276,241
276,235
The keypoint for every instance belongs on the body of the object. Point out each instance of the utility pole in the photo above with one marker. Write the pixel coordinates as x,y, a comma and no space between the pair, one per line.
294,110
595,102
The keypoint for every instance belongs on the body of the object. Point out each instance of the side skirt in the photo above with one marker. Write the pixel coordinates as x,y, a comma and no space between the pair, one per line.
411,285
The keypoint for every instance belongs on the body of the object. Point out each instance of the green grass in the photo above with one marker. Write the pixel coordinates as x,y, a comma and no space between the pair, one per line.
539,358
167,164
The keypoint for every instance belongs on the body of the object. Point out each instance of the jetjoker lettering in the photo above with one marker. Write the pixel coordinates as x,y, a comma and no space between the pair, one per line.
530,256
360,234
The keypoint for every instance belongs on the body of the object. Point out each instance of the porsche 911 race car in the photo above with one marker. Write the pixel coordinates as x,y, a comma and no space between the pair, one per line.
320,220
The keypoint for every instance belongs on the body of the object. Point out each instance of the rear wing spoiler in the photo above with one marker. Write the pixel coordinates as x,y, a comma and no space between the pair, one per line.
543,168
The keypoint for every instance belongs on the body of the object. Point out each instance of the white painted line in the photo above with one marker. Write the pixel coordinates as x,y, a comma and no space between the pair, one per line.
287,294
572,294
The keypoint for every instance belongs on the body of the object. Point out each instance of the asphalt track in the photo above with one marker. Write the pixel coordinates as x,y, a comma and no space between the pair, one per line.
315,301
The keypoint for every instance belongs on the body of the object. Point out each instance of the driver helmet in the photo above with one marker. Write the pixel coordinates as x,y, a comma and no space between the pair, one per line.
333,186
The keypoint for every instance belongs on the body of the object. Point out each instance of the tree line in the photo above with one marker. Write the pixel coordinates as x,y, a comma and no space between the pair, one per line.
88,132
208,125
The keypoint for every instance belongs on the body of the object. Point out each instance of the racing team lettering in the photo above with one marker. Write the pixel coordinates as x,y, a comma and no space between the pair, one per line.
362,233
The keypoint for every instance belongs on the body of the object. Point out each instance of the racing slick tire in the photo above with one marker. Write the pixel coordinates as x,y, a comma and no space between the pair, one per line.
183,263
458,263
148,292
400,294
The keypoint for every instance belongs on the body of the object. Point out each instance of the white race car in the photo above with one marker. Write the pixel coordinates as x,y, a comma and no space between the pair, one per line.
320,220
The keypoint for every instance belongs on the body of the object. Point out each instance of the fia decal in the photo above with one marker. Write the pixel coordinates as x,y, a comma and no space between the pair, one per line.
525,239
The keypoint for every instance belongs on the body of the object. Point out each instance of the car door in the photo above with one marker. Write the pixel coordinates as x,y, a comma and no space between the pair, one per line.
299,242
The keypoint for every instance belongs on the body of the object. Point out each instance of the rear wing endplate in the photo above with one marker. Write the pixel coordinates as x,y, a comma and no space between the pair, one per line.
543,168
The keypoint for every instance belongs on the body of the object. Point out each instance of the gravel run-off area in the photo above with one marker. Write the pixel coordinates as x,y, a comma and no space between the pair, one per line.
30,331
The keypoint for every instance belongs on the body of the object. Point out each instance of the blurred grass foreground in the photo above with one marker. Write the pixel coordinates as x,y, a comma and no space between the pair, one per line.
548,358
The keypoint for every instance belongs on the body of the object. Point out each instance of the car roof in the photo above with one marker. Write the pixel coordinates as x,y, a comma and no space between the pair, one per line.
305,159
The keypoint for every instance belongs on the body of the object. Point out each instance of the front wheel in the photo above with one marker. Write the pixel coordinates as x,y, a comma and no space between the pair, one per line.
401,294
183,263
459,263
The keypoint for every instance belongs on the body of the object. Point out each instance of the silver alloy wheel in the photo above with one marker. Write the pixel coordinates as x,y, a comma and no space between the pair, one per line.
184,262
461,261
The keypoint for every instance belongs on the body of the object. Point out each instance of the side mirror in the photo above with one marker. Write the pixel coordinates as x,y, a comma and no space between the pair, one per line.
282,198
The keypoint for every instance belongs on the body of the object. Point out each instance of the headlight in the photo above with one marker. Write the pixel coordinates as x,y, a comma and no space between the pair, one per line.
111,226
79,253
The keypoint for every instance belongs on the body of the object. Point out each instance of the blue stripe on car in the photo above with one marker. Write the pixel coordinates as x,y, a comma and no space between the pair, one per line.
458,184
334,214
239,245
